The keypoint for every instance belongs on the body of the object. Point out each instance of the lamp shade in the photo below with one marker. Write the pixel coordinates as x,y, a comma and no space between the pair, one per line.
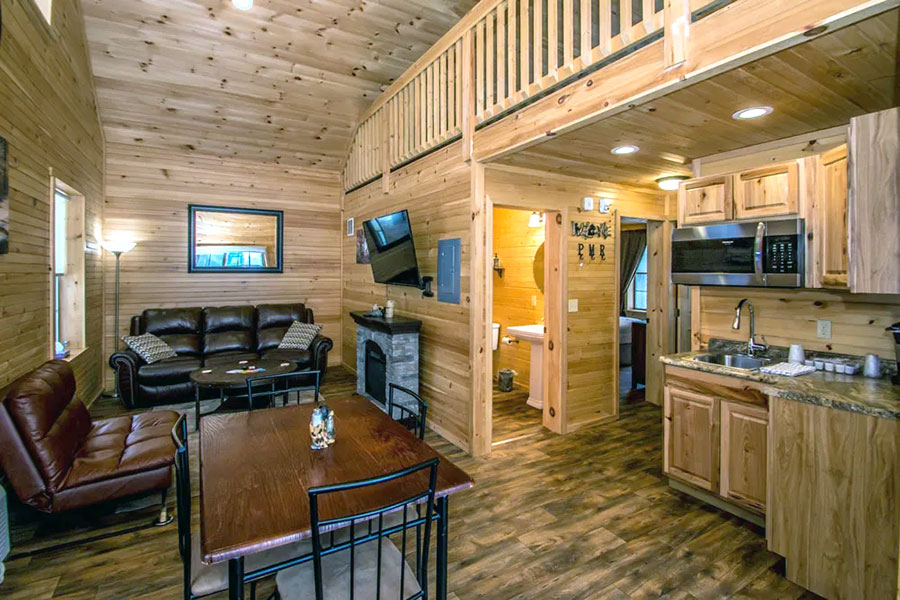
118,246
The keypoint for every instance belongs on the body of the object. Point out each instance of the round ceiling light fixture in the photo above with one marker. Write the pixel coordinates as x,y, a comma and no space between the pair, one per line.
243,4
625,149
753,112
670,182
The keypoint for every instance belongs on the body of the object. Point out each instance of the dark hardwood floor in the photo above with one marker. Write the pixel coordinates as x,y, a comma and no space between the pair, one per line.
514,420
588,515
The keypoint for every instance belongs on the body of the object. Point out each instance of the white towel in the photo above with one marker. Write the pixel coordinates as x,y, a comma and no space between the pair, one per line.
788,369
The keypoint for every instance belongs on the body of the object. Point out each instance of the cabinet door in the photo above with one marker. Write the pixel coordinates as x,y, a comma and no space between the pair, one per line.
767,192
691,444
705,200
833,218
743,471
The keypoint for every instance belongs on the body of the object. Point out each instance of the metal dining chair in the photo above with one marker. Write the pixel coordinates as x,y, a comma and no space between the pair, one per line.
271,387
201,579
412,420
367,564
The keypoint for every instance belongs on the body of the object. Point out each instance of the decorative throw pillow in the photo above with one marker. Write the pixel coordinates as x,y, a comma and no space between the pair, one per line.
149,347
299,336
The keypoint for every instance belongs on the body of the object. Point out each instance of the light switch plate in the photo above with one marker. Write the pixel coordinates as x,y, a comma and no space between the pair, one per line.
823,329
587,203
573,305
534,300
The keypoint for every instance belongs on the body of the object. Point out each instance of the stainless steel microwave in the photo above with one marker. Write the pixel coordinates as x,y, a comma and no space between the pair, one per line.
754,254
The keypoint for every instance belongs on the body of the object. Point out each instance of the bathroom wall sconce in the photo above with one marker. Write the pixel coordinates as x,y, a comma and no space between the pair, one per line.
497,266
536,219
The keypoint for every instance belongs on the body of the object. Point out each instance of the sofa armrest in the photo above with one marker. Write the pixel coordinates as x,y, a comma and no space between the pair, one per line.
319,349
126,364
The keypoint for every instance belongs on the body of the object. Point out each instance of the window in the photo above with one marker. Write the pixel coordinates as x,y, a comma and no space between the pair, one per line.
637,292
67,286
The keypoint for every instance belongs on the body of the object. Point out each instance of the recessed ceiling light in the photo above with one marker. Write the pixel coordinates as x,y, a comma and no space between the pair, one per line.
626,149
243,4
670,182
752,113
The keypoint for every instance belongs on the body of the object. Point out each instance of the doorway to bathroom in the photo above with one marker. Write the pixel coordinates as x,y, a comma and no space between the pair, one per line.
518,323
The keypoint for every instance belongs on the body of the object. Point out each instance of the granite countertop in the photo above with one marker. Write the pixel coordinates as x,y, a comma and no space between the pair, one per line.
855,393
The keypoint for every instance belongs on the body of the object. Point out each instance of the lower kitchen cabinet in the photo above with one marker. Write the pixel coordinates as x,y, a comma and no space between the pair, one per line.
715,433
744,435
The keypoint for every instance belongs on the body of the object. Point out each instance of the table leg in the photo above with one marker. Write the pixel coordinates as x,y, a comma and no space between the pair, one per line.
236,578
442,529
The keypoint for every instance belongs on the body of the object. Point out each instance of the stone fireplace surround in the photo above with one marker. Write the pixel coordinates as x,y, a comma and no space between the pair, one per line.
398,338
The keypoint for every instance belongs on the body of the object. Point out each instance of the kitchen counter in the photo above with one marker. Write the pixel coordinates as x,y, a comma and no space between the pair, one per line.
854,393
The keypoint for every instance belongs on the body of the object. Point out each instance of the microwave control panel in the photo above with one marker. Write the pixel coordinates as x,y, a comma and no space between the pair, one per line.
781,254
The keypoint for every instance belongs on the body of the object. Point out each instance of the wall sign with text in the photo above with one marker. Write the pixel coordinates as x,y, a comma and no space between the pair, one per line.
587,230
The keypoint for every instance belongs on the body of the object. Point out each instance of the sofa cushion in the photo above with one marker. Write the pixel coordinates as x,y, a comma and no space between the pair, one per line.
228,328
124,446
170,370
273,321
149,347
52,422
178,327
299,336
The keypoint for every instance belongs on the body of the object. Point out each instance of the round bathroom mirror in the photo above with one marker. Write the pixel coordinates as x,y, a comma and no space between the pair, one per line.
538,267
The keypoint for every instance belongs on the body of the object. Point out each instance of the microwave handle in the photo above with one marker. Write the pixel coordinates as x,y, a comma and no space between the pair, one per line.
758,251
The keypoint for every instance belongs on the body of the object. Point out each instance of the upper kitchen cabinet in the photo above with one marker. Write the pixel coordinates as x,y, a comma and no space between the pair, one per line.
770,191
706,200
831,223
874,203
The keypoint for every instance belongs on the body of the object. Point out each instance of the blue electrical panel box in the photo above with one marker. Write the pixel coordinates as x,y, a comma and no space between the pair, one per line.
448,270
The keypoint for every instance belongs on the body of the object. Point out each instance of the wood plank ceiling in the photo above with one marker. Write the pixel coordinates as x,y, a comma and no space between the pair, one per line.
814,86
283,82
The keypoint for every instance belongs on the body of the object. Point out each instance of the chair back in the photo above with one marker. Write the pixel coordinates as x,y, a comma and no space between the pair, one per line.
412,420
183,497
268,388
412,487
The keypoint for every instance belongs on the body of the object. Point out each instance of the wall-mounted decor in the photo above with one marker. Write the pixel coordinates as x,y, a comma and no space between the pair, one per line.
234,240
594,251
351,227
4,199
586,229
362,249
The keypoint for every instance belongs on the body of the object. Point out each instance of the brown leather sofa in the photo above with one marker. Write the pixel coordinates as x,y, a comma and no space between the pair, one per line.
206,336
57,458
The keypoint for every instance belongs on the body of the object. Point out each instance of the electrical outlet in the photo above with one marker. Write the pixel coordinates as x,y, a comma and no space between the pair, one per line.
823,329
533,300
573,305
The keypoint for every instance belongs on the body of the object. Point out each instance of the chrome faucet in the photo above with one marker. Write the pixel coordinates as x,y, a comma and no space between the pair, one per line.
751,345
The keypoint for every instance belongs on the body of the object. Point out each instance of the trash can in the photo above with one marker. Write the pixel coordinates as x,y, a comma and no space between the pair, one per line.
505,379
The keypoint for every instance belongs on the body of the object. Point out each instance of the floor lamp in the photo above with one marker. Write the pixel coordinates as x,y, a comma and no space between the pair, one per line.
117,249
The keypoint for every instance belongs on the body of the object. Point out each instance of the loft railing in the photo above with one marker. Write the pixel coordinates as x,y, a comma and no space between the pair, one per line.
500,55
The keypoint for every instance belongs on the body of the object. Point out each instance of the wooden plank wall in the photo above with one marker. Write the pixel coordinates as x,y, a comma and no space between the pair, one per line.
516,244
593,330
436,192
49,119
787,317
147,195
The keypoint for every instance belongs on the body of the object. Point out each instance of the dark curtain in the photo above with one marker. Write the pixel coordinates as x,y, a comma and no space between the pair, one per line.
631,247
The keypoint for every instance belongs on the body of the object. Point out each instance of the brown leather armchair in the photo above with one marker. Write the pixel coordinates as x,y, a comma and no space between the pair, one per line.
57,458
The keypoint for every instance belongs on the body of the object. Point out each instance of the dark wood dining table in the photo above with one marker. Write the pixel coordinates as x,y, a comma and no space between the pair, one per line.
256,468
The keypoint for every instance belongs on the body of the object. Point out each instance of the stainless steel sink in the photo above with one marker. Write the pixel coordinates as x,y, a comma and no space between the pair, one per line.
735,361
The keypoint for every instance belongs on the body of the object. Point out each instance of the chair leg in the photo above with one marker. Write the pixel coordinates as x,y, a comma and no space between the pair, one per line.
252,590
164,517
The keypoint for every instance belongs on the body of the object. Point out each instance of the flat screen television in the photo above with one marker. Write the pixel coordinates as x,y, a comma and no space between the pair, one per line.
392,251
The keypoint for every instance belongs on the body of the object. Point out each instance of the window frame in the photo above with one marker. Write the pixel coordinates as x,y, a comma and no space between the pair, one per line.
67,289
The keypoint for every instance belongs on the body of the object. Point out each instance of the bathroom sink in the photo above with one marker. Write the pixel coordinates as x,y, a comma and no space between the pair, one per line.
534,335
735,361
527,333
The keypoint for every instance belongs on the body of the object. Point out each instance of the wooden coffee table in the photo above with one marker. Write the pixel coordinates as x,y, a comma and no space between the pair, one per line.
233,385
